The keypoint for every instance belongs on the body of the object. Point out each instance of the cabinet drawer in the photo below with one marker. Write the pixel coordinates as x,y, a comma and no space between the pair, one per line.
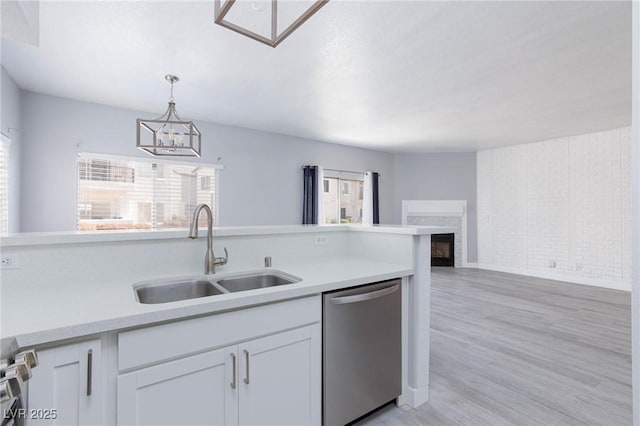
150,345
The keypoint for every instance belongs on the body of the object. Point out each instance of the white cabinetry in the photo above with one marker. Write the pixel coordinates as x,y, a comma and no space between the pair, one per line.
257,366
67,380
280,379
195,390
268,381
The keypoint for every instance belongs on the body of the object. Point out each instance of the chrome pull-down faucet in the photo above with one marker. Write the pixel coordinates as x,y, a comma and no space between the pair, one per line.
210,260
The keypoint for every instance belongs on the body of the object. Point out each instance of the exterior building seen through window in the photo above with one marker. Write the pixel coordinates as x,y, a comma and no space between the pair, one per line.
126,193
342,200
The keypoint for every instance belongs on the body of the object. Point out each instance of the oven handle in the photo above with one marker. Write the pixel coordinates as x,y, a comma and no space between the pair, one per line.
365,296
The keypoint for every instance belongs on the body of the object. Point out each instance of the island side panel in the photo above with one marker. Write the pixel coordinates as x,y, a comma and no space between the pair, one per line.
419,322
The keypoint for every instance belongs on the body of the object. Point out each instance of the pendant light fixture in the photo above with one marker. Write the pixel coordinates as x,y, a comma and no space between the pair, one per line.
168,135
266,21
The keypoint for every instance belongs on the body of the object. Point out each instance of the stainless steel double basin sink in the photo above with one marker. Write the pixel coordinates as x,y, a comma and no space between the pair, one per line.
172,290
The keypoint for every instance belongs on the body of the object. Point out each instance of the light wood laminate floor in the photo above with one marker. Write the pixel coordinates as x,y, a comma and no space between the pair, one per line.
513,350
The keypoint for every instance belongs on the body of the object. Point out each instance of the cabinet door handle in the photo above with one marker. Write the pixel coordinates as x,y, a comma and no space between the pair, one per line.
246,358
233,381
89,370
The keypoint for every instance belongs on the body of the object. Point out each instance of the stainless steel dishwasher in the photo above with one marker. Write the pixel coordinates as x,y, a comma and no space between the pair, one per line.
362,347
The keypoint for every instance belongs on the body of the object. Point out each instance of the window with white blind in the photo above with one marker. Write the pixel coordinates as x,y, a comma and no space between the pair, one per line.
131,193
4,184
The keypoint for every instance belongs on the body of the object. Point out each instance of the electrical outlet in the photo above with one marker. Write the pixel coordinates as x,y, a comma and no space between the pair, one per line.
578,266
552,264
9,261
320,240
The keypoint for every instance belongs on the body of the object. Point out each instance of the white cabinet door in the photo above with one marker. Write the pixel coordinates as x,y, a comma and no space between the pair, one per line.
69,381
279,377
196,390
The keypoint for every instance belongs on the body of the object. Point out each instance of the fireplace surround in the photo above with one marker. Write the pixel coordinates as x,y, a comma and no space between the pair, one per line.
449,213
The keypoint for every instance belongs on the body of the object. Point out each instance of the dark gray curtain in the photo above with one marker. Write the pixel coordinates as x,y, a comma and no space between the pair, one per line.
310,195
376,201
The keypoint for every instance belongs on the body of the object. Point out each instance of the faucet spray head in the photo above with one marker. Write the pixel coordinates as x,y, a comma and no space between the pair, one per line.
193,229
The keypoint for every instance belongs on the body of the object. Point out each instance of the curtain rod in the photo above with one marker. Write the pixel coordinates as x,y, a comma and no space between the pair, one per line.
343,171
340,171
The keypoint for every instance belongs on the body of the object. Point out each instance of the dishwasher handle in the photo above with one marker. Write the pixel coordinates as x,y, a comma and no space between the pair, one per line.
341,300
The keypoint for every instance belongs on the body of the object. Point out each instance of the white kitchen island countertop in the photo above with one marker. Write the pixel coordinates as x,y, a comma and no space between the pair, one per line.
65,288
92,306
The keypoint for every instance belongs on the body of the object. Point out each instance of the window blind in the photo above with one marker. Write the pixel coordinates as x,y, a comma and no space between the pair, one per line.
4,185
131,193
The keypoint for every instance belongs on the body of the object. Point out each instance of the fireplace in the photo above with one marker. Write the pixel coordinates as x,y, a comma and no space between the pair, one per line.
449,213
442,250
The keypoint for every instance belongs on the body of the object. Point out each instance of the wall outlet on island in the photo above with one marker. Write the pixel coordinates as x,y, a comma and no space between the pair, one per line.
9,261
320,240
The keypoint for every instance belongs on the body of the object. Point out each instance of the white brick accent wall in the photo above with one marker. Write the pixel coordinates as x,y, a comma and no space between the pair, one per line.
558,209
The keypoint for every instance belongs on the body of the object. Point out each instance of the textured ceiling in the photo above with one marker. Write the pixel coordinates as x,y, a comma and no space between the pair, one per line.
396,76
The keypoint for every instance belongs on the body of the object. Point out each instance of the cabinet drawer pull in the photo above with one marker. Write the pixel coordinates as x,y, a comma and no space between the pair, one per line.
246,357
233,380
89,370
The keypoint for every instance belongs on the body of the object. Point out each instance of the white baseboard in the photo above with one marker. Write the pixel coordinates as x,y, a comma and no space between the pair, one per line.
470,265
559,276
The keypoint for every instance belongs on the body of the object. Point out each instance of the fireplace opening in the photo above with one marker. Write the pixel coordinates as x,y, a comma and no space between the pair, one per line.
442,250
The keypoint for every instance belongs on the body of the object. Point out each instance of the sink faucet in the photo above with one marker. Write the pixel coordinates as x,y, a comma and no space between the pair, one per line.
210,261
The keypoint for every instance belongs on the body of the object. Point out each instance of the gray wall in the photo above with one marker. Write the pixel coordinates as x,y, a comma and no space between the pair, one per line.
10,107
261,182
450,176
